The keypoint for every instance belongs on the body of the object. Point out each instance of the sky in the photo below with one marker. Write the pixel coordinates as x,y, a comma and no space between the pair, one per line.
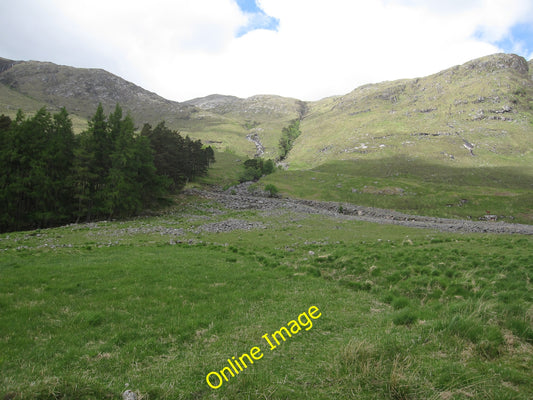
306,49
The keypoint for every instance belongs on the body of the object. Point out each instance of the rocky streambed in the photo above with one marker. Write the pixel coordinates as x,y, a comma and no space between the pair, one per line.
240,198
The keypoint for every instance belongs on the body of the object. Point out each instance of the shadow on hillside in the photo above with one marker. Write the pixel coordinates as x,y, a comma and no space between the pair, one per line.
402,167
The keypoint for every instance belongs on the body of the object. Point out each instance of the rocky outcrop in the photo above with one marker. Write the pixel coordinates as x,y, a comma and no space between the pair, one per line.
479,97
6,64
129,395
497,62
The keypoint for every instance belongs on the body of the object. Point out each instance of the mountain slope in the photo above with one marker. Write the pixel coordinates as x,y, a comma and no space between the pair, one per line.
226,122
476,114
260,119
80,90
479,113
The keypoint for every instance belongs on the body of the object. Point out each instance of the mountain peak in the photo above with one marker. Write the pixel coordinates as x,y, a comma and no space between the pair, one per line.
81,89
499,61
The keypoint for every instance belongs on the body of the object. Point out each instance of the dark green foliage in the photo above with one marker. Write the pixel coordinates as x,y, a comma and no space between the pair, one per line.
115,173
256,163
49,176
405,317
177,159
255,168
250,174
288,136
36,160
271,189
268,167
5,123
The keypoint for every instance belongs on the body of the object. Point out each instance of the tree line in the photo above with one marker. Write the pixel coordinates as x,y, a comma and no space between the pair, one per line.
49,176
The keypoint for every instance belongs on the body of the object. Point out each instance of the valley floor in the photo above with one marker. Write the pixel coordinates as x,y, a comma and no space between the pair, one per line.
156,304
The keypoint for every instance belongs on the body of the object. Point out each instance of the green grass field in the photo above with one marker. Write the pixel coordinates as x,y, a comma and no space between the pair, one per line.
416,187
156,304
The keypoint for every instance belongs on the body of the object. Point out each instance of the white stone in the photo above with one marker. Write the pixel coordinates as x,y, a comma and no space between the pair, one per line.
129,395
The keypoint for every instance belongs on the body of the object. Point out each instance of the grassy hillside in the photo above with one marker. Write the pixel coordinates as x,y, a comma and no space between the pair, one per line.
416,187
80,90
455,144
32,85
420,188
477,114
262,117
156,304
485,105
11,101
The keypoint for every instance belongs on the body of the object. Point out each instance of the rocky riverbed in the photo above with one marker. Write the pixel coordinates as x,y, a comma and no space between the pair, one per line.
240,198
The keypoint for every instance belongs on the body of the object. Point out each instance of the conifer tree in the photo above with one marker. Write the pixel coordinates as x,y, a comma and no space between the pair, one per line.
49,176
98,148
60,160
5,123
84,177
36,165
177,159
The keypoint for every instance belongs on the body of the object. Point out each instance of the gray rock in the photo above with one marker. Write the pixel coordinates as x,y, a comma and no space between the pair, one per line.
129,395
245,200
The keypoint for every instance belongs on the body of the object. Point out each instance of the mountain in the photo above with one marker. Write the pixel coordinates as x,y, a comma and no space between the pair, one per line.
260,119
80,90
227,122
478,113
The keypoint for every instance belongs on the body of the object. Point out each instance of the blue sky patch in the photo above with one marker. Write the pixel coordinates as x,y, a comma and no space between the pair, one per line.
257,18
519,40
248,6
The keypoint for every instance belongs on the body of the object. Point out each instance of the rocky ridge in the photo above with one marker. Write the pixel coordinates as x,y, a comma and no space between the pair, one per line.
81,89
249,108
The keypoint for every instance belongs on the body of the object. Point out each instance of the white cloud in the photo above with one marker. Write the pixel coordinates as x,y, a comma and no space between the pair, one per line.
188,48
